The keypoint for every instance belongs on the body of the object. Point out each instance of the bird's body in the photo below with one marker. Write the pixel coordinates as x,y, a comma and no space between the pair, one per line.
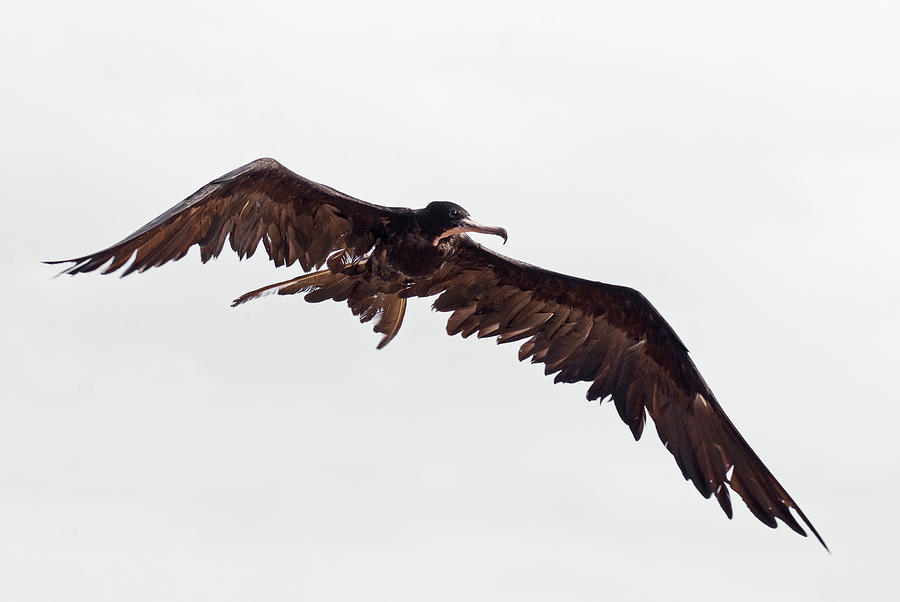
378,257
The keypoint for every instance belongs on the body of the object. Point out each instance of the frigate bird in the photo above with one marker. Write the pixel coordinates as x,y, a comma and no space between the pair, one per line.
376,258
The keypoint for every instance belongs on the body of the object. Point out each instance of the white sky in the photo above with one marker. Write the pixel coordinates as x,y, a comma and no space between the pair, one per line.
739,165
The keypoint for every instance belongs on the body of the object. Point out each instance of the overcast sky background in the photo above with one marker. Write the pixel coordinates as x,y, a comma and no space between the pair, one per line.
740,165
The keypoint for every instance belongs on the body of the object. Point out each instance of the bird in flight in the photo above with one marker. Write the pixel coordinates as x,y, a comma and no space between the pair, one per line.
376,258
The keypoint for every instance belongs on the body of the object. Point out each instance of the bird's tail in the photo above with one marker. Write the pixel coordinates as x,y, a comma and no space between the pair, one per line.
364,299
302,284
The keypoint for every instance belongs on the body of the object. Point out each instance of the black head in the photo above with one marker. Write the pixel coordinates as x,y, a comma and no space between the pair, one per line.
442,219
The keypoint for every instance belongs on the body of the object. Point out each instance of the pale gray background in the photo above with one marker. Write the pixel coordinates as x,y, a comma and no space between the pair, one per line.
738,164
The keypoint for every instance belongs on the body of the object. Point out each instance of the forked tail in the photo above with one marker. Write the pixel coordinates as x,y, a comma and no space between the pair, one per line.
363,298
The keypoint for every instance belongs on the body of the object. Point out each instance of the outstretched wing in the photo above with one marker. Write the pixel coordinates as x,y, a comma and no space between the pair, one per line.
296,219
613,338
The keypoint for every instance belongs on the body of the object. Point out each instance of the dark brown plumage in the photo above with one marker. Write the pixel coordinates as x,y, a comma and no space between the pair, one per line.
377,257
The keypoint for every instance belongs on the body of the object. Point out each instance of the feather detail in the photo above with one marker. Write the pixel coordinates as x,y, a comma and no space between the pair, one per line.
307,282
362,299
393,310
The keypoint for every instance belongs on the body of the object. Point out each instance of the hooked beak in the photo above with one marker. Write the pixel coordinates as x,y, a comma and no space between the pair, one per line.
469,225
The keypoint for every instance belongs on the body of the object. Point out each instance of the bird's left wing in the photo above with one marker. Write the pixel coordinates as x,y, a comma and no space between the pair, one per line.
613,338
296,219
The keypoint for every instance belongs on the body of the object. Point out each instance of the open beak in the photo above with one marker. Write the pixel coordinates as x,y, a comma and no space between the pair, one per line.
468,225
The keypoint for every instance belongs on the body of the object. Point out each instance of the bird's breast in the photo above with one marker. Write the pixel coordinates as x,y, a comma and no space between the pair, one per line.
416,258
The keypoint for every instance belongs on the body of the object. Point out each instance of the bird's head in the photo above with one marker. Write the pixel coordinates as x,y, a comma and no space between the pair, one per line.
442,219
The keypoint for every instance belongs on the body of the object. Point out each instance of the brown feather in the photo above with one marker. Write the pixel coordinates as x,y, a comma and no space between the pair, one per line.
295,218
611,337
392,314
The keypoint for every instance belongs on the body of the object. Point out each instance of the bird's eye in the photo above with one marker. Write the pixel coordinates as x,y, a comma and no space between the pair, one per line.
454,214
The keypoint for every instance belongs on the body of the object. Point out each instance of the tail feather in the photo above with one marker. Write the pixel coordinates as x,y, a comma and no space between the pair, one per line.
364,300
301,284
393,308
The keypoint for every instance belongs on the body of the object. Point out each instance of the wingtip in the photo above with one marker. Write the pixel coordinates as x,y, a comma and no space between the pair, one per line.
819,537
811,528
67,270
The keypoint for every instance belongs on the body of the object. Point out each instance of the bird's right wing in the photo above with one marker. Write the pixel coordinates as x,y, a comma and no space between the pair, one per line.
296,220
613,338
